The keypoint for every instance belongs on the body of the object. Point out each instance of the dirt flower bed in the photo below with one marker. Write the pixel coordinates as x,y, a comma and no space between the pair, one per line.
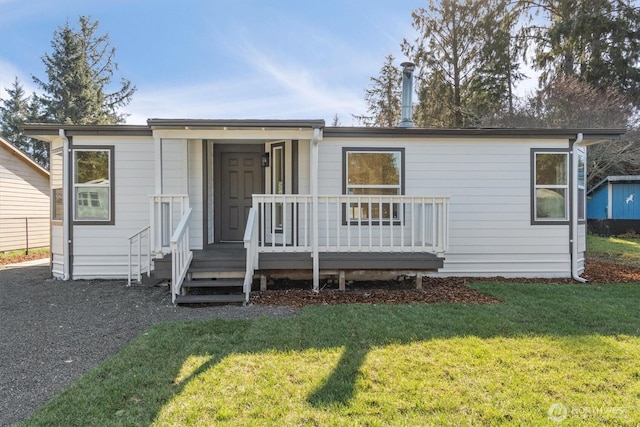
21,258
452,289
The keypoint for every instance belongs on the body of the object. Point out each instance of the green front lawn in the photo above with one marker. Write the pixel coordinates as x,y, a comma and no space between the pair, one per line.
569,351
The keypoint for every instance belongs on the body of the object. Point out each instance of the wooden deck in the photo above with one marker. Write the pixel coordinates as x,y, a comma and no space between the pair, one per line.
351,261
216,275
231,257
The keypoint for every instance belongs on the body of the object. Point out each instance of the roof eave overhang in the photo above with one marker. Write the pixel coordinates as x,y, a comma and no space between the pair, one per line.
375,132
50,132
234,129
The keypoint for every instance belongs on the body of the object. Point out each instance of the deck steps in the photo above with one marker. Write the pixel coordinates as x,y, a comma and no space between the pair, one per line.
213,283
206,286
210,298
215,276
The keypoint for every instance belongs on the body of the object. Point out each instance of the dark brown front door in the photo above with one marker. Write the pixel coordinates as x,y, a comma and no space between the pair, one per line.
239,176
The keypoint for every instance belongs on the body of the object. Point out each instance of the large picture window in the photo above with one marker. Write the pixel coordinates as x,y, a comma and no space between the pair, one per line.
373,172
550,169
93,184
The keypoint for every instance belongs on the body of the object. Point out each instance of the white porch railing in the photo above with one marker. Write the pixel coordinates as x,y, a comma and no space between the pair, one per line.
166,211
348,223
136,259
181,255
251,245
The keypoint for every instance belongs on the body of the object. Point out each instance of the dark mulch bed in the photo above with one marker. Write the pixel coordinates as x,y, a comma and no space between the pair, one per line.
434,290
450,289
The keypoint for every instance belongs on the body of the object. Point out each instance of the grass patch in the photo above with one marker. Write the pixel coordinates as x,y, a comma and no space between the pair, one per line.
619,250
10,257
572,346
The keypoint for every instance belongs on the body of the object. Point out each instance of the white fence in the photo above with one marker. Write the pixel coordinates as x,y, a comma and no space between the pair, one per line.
24,233
350,223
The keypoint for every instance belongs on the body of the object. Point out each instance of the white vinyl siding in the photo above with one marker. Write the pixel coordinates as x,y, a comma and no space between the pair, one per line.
24,202
135,182
196,226
57,229
488,182
100,251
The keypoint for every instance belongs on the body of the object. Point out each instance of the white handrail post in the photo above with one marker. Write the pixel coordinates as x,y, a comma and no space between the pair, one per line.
149,253
129,271
139,258
251,245
181,255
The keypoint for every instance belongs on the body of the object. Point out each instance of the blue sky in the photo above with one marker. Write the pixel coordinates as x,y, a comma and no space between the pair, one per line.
223,59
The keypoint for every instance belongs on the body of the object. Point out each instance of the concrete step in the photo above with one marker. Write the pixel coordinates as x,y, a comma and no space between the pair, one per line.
204,299
212,283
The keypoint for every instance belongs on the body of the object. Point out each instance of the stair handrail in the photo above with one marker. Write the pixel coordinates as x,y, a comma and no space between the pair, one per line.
132,239
181,254
251,245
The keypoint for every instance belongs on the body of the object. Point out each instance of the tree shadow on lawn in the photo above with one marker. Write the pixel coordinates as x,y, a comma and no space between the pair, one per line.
527,310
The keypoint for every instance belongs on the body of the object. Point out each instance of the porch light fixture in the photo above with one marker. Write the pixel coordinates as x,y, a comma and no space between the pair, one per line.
264,162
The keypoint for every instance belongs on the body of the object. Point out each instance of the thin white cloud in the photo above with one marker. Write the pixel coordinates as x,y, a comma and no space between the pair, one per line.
277,88
8,74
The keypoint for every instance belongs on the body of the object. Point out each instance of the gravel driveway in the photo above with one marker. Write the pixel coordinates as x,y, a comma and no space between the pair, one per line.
52,332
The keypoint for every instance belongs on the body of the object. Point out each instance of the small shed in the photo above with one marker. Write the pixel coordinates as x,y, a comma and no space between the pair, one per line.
24,201
613,205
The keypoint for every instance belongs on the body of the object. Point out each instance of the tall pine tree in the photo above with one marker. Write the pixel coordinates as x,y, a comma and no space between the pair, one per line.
384,97
79,73
16,110
597,41
465,59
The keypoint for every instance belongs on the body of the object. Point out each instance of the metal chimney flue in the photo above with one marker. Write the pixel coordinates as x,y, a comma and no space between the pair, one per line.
406,119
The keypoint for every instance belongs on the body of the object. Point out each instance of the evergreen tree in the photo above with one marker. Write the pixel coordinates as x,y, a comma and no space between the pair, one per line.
16,110
465,59
596,40
384,97
79,73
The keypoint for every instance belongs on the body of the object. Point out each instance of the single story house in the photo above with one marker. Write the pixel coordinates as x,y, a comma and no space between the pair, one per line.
613,205
24,201
300,196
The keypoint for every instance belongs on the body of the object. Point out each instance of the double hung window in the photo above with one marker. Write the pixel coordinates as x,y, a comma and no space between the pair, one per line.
551,186
93,184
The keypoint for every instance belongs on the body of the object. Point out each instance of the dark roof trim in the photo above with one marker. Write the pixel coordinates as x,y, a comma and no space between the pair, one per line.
52,130
213,124
376,132
616,179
